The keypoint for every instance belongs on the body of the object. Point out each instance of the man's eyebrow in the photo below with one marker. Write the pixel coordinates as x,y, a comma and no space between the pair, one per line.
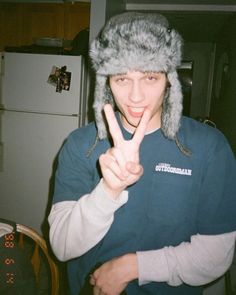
153,72
120,74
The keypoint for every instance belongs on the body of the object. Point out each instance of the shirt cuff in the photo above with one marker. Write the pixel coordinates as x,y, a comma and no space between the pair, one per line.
104,205
152,266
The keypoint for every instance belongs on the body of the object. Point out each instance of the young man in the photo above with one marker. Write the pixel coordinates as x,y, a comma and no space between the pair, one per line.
147,204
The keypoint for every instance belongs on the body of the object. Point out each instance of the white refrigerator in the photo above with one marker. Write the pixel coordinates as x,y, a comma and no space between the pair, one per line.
37,112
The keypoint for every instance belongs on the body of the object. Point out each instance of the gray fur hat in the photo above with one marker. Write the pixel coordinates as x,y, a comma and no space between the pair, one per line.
141,42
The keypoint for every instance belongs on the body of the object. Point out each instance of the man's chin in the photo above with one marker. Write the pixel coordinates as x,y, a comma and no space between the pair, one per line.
132,124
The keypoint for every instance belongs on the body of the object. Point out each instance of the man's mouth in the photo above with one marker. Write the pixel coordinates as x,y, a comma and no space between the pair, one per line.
136,112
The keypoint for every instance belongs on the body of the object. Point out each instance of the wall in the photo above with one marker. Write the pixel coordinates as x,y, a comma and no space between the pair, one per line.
229,113
223,106
200,54
100,11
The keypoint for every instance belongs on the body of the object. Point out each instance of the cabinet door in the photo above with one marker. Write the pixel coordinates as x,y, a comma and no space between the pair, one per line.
22,23
10,25
77,17
43,20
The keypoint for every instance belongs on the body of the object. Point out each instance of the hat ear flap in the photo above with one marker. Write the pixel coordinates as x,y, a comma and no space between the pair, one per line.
172,107
102,96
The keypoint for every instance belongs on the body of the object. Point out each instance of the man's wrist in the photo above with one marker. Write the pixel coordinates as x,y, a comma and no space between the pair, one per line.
112,193
131,262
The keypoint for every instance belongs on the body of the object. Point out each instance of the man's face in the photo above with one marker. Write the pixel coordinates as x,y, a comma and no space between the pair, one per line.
135,91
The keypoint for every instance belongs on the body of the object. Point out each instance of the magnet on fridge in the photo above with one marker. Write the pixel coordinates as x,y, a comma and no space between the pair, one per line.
60,78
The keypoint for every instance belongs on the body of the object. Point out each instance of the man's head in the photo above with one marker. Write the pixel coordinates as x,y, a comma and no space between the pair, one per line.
138,42
136,91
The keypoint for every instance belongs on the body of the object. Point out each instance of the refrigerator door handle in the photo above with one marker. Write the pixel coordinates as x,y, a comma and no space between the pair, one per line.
1,142
2,108
1,155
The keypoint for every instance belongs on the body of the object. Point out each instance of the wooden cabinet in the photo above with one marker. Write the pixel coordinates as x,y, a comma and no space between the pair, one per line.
23,23
42,21
10,25
77,18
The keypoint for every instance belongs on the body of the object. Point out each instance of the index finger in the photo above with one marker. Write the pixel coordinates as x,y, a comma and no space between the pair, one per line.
113,125
142,127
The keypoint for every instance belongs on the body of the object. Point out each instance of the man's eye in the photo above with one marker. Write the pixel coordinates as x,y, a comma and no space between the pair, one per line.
122,79
151,78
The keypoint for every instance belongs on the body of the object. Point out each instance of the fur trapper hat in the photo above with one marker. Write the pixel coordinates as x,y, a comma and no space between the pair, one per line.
139,42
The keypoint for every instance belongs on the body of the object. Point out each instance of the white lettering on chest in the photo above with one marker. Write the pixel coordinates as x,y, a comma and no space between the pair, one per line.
164,167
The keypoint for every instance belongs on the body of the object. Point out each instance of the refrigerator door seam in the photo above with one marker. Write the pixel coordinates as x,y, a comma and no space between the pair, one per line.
36,112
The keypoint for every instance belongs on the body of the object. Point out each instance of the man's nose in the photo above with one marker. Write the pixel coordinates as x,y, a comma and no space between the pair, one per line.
136,94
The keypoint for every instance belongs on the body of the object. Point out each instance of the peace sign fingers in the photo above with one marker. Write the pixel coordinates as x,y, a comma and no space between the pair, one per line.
113,125
142,127
120,164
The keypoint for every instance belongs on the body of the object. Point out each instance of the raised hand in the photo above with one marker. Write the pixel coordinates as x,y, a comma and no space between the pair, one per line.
120,164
